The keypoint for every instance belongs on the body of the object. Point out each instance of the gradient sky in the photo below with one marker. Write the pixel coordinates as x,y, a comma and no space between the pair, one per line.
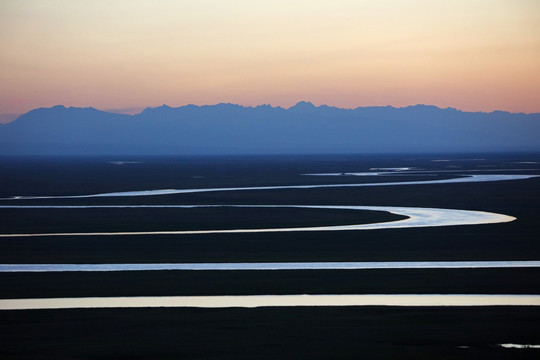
476,55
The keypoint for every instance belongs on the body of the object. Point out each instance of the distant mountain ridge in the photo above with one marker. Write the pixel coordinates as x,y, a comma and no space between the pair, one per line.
234,129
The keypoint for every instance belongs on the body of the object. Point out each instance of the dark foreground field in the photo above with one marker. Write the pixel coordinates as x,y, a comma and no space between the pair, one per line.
268,333
271,333
276,282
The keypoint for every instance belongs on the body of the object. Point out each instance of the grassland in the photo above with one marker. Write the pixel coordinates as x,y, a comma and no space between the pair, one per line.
268,333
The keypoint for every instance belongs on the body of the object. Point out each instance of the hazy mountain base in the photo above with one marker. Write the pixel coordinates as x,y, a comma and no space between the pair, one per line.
234,129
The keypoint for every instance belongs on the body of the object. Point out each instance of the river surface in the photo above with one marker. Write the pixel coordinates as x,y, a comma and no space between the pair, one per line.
462,179
270,266
253,301
416,217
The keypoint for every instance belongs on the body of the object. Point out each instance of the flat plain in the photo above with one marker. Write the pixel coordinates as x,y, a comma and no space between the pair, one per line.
291,332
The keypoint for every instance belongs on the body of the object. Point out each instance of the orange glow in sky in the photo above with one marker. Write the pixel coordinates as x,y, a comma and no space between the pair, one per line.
475,55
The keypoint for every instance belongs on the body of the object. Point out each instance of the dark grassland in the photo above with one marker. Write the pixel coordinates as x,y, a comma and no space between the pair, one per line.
282,282
512,241
267,333
144,219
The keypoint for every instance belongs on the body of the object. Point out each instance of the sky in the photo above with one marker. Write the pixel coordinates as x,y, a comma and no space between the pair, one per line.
124,55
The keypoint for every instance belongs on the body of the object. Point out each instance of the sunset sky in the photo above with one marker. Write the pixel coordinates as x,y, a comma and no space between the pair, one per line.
475,55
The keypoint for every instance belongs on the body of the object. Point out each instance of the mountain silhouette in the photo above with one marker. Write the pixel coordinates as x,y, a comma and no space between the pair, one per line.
234,129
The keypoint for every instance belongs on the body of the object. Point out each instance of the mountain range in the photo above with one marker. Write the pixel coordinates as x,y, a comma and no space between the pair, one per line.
235,129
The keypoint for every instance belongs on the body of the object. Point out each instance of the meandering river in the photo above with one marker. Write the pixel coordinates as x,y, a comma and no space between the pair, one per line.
416,217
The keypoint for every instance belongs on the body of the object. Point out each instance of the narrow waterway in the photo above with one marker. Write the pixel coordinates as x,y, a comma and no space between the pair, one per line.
416,217
269,266
462,179
253,301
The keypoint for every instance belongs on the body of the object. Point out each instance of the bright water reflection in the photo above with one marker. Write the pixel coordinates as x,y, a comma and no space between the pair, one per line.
463,179
268,266
416,217
520,346
253,301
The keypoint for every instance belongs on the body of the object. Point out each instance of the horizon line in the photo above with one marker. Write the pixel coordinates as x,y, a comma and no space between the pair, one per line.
6,118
